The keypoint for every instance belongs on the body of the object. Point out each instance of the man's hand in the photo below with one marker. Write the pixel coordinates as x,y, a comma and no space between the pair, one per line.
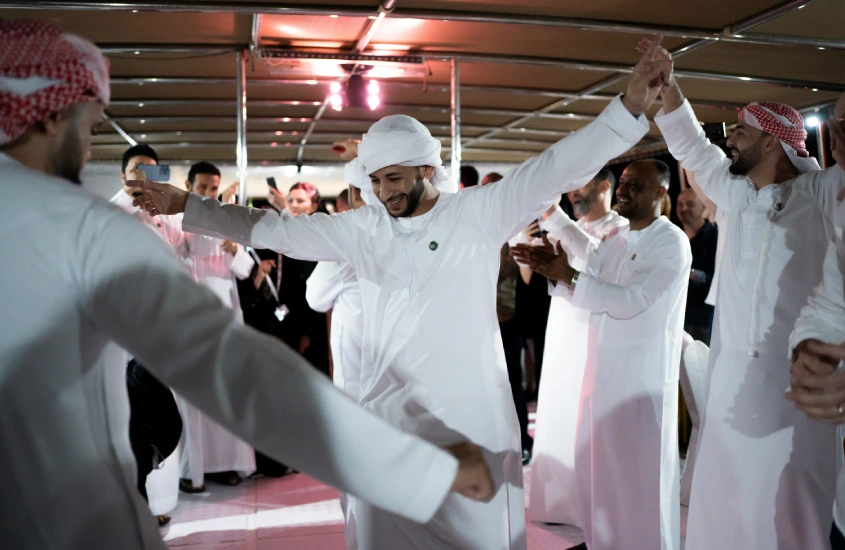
547,260
277,199
552,208
348,149
230,192
816,388
264,269
649,76
532,230
670,92
230,247
474,479
159,198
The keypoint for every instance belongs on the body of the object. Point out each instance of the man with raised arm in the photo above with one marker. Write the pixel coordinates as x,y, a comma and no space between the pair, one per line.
95,279
765,473
428,263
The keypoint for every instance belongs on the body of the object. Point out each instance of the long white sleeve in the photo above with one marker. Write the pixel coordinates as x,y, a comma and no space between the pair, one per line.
823,318
323,286
241,263
318,237
655,269
512,203
577,243
708,164
139,297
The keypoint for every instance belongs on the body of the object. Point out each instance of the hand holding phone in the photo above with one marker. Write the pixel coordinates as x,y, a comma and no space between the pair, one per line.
158,173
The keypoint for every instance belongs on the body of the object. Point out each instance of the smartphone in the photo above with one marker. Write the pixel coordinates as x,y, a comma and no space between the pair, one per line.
160,173
538,233
272,183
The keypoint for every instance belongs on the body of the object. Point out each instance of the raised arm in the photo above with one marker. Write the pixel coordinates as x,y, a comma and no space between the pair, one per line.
185,337
323,286
510,204
655,270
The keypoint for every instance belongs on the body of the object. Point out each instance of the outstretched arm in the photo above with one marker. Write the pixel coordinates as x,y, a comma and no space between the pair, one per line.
182,333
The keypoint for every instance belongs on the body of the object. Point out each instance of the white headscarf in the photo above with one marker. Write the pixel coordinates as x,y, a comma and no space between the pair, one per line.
400,140
355,176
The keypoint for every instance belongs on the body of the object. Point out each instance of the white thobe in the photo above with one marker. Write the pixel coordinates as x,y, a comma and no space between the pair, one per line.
206,446
553,482
435,363
764,472
626,459
87,278
823,318
334,286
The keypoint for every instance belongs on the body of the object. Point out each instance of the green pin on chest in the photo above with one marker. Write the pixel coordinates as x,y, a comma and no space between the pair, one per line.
432,246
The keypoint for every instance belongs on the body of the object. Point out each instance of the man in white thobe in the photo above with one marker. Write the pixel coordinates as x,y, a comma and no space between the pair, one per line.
94,279
428,263
334,286
634,286
764,472
817,344
553,482
208,449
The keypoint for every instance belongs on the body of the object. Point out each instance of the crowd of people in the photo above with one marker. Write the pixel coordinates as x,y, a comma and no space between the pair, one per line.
439,309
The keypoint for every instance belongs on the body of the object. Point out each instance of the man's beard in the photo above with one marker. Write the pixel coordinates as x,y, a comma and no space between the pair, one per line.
584,204
746,161
69,160
413,198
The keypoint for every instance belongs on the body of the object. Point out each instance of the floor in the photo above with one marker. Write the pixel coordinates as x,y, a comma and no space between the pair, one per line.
294,513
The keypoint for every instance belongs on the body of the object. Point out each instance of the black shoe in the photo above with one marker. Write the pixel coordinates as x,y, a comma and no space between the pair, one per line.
526,456
186,486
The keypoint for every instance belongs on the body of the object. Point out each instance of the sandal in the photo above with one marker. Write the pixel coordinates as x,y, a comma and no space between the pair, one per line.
186,486
163,520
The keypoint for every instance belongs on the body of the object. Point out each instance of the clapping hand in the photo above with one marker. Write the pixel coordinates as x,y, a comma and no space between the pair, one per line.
815,387
547,259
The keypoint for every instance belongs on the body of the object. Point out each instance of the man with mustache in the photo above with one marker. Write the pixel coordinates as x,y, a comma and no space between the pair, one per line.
634,287
765,473
428,263
553,481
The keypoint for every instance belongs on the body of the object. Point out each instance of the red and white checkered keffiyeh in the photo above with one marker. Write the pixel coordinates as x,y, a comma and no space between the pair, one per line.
786,124
43,70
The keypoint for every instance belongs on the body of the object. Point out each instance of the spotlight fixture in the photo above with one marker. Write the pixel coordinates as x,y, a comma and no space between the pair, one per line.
355,92
336,98
811,121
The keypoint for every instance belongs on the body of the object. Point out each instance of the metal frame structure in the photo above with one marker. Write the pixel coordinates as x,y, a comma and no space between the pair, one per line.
734,33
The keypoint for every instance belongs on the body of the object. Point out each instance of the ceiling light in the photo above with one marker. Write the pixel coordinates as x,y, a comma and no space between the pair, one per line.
143,121
280,133
335,87
286,119
140,105
315,44
821,48
137,53
312,82
333,16
274,144
811,122
143,136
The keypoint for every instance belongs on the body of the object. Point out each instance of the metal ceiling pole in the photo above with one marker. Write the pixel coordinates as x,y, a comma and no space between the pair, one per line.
255,42
119,130
822,144
732,33
241,151
456,123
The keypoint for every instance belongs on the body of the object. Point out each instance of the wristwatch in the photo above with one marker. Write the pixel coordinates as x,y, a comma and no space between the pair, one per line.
574,280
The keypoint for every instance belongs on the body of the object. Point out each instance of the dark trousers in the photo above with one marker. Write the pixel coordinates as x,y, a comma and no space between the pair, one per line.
512,342
144,462
837,541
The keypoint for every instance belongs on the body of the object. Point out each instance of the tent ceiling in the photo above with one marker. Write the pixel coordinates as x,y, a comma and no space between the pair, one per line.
524,67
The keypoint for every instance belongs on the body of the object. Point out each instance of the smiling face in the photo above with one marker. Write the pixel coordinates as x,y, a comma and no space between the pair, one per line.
746,145
640,191
401,188
690,209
